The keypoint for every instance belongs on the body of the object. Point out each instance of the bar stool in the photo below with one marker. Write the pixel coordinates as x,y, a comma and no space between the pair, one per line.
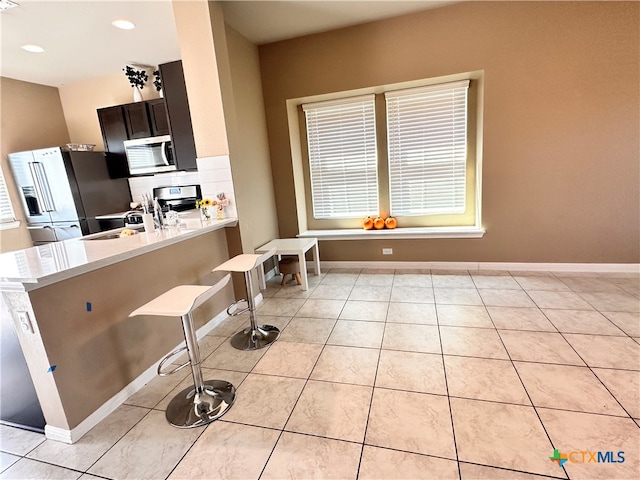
255,336
205,401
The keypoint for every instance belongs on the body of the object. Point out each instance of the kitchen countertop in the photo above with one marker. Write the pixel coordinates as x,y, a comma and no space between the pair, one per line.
43,265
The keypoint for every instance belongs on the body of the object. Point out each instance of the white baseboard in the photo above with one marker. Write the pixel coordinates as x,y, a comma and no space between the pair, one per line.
75,434
491,266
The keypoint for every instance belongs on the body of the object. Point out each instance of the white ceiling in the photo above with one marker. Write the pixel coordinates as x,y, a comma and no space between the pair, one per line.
81,43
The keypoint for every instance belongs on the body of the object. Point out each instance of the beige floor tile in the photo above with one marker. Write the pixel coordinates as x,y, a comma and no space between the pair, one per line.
292,290
484,379
225,357
302,456
411,338
567,387
582,321
6,460
545,347
591,284
158,388
505,298
629,322
368,311
332,410
372,278
26,469
370,293
613,302
230,325
555,299
630,285
280,322
452,281
206,346
544,282
289,359
501,435
307,330
265,400
228,451
495,281
404,294
19,441
424,313
341,277
150,450
514,318
347,365
464,316
234,378
412,279
86,451
416,372
353,333
625,386
320,308
412,422
280,307
384,464
331,292
607,352
472,342
571,431
469,471
457,296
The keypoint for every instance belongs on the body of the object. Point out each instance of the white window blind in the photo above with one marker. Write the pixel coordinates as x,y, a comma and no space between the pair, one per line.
341,136
6,210
427,144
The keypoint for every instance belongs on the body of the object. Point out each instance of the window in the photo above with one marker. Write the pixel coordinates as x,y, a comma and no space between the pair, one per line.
343,160
409,150
427,149
7,216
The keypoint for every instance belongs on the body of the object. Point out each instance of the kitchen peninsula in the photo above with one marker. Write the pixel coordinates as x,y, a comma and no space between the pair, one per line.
69,302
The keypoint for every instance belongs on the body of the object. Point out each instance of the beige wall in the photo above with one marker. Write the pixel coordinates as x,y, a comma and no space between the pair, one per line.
80,100
561,121
32,117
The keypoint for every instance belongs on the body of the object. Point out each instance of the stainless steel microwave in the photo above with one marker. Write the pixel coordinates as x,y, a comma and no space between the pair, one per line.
149,155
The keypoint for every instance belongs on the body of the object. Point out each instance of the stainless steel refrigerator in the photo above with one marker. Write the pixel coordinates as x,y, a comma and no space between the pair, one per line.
62,192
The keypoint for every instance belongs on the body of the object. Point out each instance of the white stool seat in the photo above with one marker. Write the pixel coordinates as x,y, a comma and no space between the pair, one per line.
245,262
205,401
180,300
255,336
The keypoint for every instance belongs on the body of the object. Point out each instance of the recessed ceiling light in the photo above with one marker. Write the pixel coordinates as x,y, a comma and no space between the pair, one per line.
123,24
32,48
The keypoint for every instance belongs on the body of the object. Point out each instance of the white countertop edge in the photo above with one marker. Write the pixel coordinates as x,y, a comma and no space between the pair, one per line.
30,283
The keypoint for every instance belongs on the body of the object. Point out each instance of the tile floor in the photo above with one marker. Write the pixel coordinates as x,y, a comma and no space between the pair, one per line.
405,374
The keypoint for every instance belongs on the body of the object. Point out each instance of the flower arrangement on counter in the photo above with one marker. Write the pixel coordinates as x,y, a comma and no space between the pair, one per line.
206,203
137,78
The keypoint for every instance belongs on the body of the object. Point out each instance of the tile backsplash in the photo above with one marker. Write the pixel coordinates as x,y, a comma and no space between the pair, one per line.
213,176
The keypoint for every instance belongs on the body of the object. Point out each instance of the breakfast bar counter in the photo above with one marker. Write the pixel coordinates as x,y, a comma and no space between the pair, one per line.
70,301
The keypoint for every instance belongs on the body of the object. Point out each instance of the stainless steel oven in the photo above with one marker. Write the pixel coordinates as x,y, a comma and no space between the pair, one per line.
150,155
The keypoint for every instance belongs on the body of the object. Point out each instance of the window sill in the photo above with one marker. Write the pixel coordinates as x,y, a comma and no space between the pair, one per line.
397,233
9,225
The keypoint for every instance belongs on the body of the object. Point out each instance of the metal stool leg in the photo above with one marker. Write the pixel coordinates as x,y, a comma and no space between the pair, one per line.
205,401
256,336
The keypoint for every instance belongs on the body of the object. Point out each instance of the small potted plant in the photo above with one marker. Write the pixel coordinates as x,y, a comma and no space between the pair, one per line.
137,79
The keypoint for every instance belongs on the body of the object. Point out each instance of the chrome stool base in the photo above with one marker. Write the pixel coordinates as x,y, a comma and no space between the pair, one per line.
191,409
255,338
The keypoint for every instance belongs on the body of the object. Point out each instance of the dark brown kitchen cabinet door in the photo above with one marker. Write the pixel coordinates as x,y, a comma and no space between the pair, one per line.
175,96
137,120
114,132
158,117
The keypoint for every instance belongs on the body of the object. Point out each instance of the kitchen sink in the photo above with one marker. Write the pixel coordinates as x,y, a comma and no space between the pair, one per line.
111,234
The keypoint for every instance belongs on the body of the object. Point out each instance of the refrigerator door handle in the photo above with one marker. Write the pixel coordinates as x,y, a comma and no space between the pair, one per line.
43,191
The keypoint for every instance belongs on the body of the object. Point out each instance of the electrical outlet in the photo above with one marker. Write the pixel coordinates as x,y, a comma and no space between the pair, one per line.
25,322
387,251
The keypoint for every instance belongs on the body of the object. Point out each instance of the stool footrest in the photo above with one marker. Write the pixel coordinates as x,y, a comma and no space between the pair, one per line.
169,357
233,309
